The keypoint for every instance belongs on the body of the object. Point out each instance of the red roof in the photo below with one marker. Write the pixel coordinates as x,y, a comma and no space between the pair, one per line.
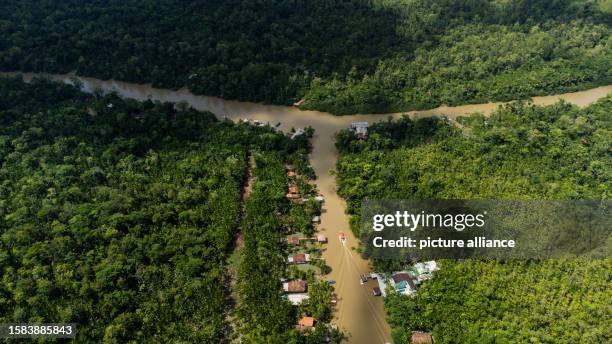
402,276
419,337
299,258
306,322
297,286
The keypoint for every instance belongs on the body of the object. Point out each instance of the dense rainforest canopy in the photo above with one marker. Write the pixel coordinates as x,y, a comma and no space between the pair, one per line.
520,152
120,215
346,56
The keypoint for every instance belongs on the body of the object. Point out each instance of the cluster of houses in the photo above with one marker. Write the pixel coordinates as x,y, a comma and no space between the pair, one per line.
303,258
257,123
303,253
293,192
254,122
295,291
406,282
297,241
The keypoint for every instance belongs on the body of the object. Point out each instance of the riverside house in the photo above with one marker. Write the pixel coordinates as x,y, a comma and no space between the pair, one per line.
403,283
300,258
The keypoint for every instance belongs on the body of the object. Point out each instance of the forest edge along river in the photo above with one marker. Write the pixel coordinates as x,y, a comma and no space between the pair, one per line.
359,314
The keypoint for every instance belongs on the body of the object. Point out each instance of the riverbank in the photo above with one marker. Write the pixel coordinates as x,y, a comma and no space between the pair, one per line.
359,314
292,117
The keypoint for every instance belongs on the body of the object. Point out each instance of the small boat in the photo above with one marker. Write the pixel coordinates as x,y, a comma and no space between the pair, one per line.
331,281
342,237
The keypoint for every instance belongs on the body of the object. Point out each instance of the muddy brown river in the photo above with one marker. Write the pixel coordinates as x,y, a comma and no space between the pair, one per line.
359,314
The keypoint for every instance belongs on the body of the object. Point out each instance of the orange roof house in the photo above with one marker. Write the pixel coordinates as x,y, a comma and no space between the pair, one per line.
293,192
305,323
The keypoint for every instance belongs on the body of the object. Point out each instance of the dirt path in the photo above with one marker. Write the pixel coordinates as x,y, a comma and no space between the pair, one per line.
245,193
358,313
234,259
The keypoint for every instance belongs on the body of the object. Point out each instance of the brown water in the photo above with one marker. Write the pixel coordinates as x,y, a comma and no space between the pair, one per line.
359,314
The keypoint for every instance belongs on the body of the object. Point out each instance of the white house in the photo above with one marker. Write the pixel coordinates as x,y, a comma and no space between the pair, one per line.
425,269
360,129
300,258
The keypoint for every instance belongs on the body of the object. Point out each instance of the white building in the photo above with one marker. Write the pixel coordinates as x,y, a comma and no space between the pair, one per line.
424,270
360,129
297,299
